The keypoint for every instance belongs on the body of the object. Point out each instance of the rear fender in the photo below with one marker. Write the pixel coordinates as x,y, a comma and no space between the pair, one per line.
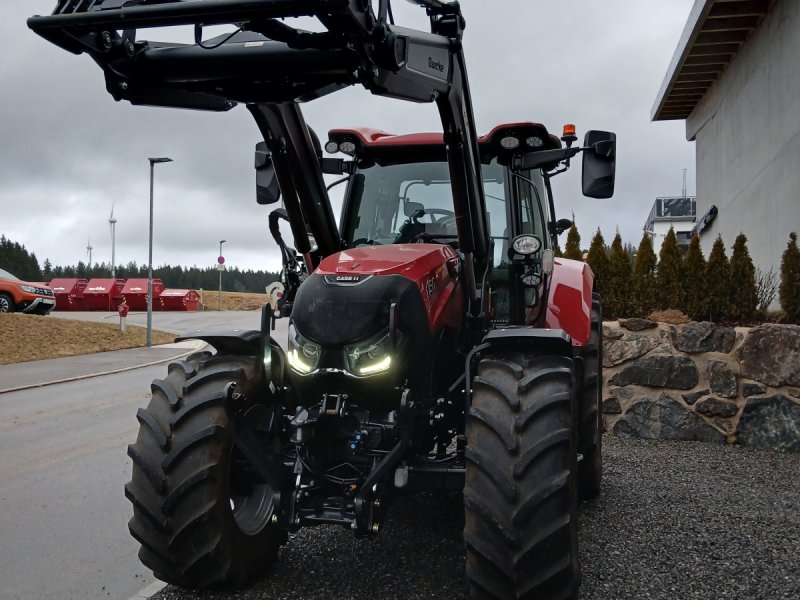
569,305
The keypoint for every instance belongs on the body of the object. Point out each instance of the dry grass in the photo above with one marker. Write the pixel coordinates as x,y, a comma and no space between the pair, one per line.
232,300
32,337
670,316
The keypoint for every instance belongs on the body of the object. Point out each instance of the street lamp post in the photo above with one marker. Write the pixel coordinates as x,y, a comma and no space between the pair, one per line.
153,162
220,266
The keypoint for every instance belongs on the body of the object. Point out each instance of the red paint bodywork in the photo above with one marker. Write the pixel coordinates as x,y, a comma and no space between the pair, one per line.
433,266
569,305
375,138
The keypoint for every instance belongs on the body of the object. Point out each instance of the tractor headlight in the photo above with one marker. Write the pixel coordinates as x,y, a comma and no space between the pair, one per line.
303,354
526,244
370,357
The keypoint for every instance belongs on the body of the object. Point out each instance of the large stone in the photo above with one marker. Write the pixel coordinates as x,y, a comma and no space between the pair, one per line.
714,407
771,422
627,347
703,337
611,406
659,370
665,419
693,397
753,389
771,354
722,379
622,392
611,333
637,324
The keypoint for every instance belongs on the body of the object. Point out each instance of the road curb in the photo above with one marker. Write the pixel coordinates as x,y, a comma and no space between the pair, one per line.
193,346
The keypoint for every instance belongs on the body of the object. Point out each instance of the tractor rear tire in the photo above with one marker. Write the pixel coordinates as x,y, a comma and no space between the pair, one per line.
520,491
200,520
590,429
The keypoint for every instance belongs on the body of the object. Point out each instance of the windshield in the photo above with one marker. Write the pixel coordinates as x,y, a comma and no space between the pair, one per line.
401,203
6,275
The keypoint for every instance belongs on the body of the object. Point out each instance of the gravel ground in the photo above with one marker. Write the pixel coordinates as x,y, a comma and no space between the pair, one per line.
675,520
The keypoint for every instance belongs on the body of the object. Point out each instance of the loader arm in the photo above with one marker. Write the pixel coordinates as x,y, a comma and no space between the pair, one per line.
271,67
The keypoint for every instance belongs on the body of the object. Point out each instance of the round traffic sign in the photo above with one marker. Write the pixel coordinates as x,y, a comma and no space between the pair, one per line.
221,260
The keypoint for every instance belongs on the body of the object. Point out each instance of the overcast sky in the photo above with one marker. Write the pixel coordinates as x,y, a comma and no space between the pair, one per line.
68,151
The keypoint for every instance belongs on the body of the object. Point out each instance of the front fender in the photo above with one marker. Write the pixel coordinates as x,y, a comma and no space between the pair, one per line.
569,305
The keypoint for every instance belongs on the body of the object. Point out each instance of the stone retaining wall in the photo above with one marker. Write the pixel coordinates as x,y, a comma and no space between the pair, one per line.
702,381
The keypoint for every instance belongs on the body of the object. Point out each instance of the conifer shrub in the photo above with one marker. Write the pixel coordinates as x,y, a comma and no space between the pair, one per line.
597,259
744,294
695,295
718,282
789,290
572,249
669,279
617,302
644,273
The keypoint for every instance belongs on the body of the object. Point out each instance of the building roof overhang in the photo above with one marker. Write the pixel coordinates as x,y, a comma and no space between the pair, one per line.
714,33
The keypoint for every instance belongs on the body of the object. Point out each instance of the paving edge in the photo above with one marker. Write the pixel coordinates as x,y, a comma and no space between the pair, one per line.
195,345
149,591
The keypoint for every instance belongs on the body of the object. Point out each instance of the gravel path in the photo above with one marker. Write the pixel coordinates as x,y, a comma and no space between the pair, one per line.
675,520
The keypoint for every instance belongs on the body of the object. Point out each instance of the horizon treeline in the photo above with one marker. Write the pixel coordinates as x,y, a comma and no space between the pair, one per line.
16,259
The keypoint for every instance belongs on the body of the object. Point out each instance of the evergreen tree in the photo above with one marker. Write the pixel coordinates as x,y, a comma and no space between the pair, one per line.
695,295
789,290
744,295
597,259
617,301
644,276
669,279
718,282
573,248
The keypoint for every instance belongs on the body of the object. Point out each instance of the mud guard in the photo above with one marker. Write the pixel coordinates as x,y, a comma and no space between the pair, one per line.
546,341
569,303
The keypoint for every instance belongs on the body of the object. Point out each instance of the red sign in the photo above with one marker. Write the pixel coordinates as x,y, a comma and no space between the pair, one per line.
221,260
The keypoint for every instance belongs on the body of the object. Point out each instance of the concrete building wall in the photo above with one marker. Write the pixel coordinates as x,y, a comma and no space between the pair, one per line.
747,129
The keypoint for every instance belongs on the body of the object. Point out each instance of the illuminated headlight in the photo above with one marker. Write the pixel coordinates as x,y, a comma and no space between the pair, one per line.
331,147
526,244
28,288
367,358
534,142
509,142
348,147
303,354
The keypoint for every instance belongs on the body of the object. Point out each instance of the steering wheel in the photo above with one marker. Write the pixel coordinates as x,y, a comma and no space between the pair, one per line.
440,211
365,242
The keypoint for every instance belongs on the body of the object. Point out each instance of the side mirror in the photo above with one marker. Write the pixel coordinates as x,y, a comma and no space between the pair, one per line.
599,163
562,225
267,189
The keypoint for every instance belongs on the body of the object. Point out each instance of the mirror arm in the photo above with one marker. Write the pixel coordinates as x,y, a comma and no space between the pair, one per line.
534,160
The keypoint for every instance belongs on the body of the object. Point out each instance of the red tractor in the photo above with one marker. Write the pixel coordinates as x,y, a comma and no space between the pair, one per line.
435,343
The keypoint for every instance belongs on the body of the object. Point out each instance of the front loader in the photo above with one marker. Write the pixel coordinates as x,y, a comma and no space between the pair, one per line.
435,342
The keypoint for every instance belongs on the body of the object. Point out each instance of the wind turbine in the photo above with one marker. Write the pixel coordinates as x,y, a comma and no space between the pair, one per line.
112,222
89,252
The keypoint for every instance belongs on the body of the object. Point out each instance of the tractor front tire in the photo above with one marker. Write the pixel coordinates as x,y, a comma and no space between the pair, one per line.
201,519
590,429
520,492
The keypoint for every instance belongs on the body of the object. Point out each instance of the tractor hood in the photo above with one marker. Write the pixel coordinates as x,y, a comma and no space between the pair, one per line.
413,261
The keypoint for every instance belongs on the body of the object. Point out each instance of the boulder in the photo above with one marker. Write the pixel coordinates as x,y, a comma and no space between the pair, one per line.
611,406
693,397
622,392
659,370
665,419
703,337
770,422
722,379
637,324
753,389
610,333
714,407
627,347
771,354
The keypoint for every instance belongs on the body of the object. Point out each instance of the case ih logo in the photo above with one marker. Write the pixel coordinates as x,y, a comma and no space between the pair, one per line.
435,65
348,278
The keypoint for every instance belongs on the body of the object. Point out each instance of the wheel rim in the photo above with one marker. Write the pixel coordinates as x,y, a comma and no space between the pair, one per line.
252,512
4,304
